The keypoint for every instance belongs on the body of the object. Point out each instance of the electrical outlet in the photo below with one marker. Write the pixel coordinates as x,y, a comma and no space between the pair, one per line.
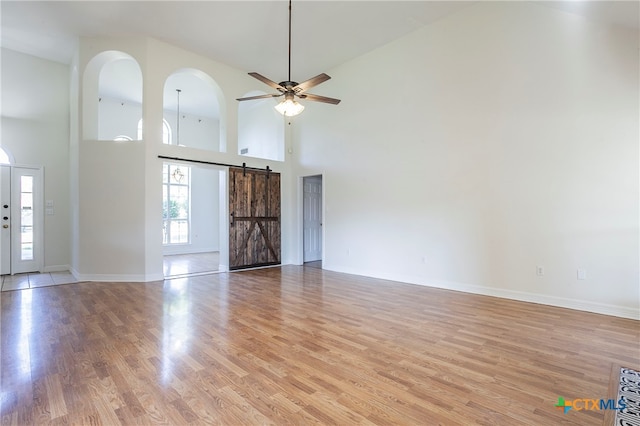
540,271
582,274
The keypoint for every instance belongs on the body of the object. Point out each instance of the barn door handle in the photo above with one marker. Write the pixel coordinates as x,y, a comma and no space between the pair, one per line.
232,219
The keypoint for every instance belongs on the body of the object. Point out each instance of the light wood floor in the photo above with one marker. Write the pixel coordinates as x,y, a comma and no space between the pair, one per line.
298,345
189,264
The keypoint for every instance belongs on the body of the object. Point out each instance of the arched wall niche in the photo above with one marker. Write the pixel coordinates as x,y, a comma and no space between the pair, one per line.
260,128
195,108
112,96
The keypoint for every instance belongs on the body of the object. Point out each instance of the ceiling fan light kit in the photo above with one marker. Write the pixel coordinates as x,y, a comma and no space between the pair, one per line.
288,106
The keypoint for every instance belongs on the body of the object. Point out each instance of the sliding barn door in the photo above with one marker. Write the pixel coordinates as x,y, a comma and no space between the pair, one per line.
254,206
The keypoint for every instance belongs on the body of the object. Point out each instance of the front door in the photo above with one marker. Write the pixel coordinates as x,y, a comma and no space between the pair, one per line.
21,219
254,207
5,220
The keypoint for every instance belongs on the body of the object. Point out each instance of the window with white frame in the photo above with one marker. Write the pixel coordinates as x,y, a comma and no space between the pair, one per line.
176,204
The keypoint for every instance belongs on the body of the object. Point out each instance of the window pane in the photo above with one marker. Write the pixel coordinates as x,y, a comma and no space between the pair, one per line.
165,173
26,217
26,201
26,233
26,183
165,232
179,231
26,252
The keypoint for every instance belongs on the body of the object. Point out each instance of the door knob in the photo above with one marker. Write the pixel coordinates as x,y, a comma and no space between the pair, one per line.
5,218
5,226
6,206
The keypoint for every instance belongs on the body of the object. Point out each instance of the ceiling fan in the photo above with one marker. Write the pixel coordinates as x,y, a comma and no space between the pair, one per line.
291,89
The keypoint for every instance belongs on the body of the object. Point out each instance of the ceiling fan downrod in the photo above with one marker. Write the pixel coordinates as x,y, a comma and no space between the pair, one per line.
289,40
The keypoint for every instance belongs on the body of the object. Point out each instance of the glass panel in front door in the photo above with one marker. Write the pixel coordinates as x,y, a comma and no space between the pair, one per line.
26,217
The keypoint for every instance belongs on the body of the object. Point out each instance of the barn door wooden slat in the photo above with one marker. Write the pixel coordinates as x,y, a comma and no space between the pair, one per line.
254,206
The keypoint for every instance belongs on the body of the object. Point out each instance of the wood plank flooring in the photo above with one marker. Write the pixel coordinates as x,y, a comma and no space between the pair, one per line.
188,264
296,345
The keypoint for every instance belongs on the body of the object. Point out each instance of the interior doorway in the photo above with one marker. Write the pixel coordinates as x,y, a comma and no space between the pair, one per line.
312,218
21,219
192,201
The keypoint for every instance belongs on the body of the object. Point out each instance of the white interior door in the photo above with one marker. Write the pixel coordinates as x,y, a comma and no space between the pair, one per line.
312,218
5,220
26,220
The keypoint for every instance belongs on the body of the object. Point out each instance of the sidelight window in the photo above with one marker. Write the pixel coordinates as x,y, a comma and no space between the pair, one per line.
26,217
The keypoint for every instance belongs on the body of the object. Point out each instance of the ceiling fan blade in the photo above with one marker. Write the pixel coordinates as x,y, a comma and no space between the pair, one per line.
306,85
248,98
318,98
266,81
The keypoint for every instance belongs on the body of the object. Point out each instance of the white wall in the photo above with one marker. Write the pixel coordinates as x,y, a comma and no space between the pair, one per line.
205,210
112,211
195,131
35,129
260,128
118,118
471,151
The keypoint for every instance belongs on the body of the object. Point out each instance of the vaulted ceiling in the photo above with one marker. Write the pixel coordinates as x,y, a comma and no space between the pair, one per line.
251,35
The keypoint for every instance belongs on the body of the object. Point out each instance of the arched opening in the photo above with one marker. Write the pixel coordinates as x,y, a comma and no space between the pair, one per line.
260,129
6,157
112,96
192,108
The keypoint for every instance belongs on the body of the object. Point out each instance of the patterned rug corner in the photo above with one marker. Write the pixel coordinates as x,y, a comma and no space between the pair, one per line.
629,394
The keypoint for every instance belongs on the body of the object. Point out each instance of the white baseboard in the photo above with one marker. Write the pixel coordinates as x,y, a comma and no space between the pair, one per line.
56,268
543,299
117,277
170,251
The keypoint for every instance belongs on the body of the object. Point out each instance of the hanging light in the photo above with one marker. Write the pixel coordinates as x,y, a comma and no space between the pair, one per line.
289,106
178,118
177,175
